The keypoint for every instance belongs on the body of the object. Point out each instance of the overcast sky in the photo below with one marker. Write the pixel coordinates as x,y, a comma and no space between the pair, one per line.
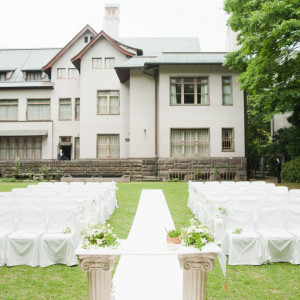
53,23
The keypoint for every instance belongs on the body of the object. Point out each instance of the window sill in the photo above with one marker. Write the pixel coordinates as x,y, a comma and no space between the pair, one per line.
108,114
190,104
227,104
228,150
38,120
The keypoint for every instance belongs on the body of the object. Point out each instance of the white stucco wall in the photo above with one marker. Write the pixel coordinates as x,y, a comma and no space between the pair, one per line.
214,116
93,80
142,114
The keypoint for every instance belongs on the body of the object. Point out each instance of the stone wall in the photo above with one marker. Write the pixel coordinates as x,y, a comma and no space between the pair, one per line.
136,169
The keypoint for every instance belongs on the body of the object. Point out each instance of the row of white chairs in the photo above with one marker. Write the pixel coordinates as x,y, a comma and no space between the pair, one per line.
35,237
268,234
210,202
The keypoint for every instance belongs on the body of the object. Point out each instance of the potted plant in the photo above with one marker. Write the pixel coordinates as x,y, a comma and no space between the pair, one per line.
174,236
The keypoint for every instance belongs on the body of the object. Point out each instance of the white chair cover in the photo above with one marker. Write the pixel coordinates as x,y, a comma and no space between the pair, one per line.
23,247
244,248
7,225
58,247
294,197
293,226
276,241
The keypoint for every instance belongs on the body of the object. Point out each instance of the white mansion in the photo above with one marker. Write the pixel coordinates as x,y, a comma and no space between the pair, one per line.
106,97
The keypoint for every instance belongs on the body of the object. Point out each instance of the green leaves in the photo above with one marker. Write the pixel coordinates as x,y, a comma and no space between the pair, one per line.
269,36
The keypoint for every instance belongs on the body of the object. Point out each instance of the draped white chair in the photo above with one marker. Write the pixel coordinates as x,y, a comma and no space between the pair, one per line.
242,184
276,241
250,201
294,197
45,184
293,226
7,225
60,184
230,184
6,198
258,183
23,245
244,248
58,247
92,184
277,197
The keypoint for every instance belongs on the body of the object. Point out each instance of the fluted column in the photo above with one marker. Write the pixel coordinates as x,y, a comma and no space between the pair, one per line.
98,270
195,268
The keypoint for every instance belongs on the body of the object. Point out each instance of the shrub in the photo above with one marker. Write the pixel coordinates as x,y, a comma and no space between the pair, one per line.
291,170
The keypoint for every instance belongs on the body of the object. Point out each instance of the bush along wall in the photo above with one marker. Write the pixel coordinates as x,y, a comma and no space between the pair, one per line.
291,170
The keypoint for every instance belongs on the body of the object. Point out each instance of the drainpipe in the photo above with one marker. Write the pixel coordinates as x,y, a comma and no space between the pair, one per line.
155,75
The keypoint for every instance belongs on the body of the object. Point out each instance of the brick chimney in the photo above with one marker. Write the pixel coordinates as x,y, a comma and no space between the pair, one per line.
111,19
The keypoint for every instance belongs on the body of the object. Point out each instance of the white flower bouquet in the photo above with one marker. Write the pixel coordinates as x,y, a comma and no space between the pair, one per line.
197,235
98,235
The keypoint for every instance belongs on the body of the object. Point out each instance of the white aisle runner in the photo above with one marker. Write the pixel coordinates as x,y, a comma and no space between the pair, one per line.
153,277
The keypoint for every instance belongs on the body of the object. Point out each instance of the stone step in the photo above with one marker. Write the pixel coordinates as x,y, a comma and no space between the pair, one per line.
149,178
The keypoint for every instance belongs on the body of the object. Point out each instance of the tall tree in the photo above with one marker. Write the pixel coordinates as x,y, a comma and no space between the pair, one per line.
269,35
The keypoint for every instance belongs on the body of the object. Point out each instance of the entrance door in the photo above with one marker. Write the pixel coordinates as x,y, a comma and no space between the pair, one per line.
67,151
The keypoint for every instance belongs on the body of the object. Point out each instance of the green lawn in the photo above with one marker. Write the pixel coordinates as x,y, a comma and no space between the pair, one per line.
277,281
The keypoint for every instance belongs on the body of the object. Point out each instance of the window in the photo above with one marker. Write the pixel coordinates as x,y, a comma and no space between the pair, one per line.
109,63
186,91
108,146
8,109
97,63
227,139
86,39
61,73
77,108
33,76
226,91
65,109
2,76
108,102
38,109
189,142
20,147
91,37
77,148
73,73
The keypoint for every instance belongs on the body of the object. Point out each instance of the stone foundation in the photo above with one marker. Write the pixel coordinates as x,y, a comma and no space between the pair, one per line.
136,169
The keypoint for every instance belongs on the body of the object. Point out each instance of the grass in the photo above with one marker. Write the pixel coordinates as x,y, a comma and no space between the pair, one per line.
276,281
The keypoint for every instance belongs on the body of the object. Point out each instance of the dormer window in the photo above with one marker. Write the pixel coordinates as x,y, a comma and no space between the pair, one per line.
2,76
33,75
91,37
86,39
5,75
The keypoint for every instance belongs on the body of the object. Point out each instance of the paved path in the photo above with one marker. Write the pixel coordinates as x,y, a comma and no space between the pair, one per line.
149,277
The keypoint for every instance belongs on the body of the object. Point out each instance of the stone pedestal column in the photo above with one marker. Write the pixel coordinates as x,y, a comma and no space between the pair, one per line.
98,270
195,268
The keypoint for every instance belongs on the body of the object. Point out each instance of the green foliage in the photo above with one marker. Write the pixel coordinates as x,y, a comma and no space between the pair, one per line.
67,230
45,171
57,174
268,32
8,180
238,231
16,168
291,170
173,179
174,233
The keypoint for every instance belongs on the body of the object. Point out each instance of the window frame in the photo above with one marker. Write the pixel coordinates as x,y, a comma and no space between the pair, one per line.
60,77
35,141
77,148
3,75
195,83
7,105
59,104
107,135
43,103
230,94
97,58
77,102
107,103
196,143
232,141
108,58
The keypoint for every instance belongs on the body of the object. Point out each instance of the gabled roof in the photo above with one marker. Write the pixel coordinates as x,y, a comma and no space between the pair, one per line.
127,50
47,68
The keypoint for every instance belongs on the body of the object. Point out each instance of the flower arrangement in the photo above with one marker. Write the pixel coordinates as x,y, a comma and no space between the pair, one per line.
221,213
98,235
174,236
197,235
67,230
